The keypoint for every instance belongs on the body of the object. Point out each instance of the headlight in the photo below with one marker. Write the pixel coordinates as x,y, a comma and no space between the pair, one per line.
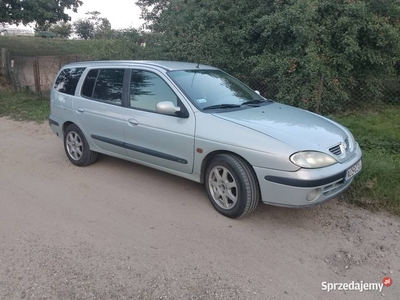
312,159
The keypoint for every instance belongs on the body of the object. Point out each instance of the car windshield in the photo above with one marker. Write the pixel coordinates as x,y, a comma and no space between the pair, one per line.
209,89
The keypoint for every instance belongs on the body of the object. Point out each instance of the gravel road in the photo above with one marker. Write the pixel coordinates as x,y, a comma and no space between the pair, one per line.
117,230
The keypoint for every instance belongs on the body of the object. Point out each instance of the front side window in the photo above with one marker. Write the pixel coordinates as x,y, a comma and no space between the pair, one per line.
67,80
104,85
147,89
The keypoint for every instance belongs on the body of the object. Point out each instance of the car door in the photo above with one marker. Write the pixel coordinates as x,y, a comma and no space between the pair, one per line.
158,139
99,109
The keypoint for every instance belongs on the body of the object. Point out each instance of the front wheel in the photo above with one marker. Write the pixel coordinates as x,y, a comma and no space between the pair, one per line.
77,148
232,186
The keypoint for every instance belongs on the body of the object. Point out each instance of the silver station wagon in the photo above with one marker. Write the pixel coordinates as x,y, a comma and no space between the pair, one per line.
200,123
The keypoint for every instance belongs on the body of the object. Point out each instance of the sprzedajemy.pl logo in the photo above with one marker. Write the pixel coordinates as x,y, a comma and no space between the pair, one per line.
356,286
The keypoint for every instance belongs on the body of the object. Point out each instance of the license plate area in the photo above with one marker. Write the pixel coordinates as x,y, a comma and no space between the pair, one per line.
354,170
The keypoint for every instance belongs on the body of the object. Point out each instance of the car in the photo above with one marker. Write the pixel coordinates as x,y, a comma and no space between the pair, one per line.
200,123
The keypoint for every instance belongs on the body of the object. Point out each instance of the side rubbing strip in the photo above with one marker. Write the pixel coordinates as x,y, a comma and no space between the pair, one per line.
107,140
140,149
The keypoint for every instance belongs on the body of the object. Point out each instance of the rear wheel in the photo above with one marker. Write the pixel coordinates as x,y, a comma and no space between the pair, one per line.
77,148
232,186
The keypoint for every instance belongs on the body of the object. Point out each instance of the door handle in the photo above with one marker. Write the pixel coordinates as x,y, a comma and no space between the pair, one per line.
80,110
133,122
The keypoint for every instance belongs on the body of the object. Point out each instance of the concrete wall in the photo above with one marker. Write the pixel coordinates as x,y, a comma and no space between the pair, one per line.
38,73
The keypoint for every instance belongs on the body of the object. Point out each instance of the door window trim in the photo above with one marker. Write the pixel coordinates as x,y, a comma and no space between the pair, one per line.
179,101
124,95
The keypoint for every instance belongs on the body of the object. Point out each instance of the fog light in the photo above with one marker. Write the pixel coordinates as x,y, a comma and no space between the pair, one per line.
313,195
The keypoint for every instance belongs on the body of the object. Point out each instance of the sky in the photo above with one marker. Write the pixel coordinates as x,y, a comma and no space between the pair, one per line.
120,13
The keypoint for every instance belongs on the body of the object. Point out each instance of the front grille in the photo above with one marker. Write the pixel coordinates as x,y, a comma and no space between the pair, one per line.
336,150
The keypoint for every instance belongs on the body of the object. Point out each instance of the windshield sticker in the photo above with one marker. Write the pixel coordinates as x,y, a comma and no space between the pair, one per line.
201,101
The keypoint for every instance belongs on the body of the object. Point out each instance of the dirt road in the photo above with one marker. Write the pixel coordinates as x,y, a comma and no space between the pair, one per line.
117,230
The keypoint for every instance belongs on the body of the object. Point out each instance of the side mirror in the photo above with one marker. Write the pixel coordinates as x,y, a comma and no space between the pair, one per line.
167,108
257,92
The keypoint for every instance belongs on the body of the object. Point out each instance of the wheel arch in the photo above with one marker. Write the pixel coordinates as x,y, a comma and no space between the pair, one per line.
247,193
82,148
65,125
208,158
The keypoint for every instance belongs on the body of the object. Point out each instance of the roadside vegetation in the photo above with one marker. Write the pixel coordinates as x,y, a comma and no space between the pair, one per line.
123,47
378,134
36,46
23,106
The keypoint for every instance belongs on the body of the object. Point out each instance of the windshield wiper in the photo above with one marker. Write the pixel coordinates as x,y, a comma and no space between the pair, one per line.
256,101
221,106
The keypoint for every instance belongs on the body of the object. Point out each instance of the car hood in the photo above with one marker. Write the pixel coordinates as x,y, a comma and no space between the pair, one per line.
298,128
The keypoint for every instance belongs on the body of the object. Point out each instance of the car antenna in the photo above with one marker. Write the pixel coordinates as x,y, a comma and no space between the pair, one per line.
198,64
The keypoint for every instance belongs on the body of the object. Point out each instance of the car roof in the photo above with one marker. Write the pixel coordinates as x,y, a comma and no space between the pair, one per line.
166,65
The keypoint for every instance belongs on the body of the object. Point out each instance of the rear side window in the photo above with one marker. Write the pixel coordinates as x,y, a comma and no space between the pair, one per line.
104,85
67,80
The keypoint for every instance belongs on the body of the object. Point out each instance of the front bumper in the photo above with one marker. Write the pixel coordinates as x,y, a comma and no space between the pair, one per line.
305,187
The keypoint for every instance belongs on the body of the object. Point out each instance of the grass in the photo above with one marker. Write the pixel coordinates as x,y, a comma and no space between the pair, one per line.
36,46
23,106
378,133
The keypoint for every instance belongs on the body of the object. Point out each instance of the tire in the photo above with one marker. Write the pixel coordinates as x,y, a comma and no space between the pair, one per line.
77,148
232,186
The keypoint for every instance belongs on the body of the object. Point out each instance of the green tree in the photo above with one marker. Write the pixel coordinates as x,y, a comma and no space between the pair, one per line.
104,30
42,27
62,29
297,41
223,33
84,28
94,26
124,45
39,11
343,40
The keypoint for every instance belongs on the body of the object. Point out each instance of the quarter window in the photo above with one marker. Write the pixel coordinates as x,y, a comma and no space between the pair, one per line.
88,84
147,89
104,85
67,80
